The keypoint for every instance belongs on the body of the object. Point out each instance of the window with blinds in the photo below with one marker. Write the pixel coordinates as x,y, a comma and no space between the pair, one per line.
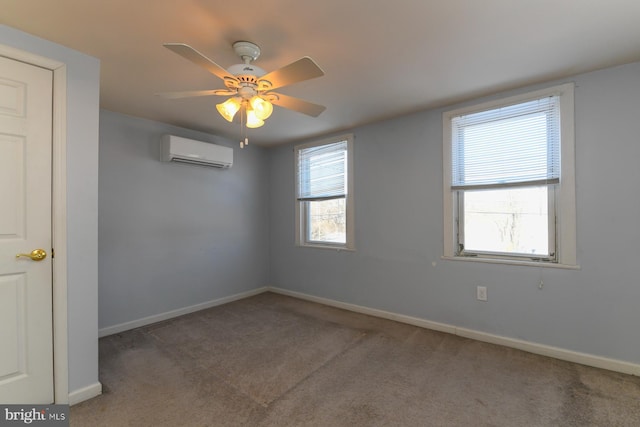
323,180
503,175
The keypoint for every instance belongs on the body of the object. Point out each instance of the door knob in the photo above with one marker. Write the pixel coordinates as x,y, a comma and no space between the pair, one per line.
35,255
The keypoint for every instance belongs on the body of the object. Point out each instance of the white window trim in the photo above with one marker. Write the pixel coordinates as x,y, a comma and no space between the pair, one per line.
566,202
350,215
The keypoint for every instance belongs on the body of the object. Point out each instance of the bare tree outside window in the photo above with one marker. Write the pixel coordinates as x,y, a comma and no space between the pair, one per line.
327,221
511,221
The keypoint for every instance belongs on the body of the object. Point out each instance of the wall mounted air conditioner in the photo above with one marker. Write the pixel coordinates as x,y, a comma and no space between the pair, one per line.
183,150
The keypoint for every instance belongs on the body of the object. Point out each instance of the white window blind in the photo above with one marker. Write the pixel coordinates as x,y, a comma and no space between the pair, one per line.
510,146
322,172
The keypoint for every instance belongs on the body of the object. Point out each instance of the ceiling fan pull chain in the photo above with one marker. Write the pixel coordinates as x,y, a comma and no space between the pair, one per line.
243,129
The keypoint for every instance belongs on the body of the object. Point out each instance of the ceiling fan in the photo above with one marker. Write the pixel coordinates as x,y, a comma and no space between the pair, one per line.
249,87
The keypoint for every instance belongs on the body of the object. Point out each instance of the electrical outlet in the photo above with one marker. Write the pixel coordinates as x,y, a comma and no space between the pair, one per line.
481,293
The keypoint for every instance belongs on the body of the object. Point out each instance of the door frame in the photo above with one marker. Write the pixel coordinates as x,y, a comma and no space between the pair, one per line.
58,215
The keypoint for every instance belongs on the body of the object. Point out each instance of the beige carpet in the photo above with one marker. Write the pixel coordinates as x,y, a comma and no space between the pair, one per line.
272,360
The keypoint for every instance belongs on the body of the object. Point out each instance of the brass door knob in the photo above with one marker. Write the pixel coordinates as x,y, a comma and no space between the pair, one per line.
35,255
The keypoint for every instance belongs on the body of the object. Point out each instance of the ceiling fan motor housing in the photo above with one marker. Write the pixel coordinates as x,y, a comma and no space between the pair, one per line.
240,70
247,74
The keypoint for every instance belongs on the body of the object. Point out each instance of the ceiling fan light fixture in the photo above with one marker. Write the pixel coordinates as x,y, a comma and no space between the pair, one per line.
229,108
261,107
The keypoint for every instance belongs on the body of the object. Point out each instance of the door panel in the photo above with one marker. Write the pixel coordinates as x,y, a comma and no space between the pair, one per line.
12,187
26,353
12,315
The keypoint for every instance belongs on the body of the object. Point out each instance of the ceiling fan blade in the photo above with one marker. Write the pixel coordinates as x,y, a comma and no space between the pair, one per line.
302,69
197,58
194,93
295,104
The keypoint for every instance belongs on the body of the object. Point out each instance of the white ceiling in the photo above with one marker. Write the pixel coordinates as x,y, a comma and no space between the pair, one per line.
381,58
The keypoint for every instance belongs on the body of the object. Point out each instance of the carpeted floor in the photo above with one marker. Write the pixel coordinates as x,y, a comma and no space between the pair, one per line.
272,360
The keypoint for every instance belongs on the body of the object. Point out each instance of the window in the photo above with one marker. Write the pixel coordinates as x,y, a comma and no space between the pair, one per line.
324,193
509,186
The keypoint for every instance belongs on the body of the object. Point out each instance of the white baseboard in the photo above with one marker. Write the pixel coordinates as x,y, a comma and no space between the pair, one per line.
423,323
555,352
85,393
115,329
531,347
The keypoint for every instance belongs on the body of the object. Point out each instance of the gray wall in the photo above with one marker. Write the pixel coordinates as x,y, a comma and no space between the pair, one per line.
83,83
174,235
398,202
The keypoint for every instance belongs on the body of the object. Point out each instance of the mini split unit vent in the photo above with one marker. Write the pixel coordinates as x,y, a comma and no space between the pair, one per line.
183,150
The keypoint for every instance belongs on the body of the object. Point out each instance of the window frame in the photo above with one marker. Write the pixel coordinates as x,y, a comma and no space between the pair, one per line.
301,206
561,195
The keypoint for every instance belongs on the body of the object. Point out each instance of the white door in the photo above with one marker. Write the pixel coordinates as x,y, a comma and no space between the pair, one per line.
26,337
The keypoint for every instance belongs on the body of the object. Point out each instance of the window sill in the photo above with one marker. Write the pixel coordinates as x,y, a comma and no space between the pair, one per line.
321,246
512,262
